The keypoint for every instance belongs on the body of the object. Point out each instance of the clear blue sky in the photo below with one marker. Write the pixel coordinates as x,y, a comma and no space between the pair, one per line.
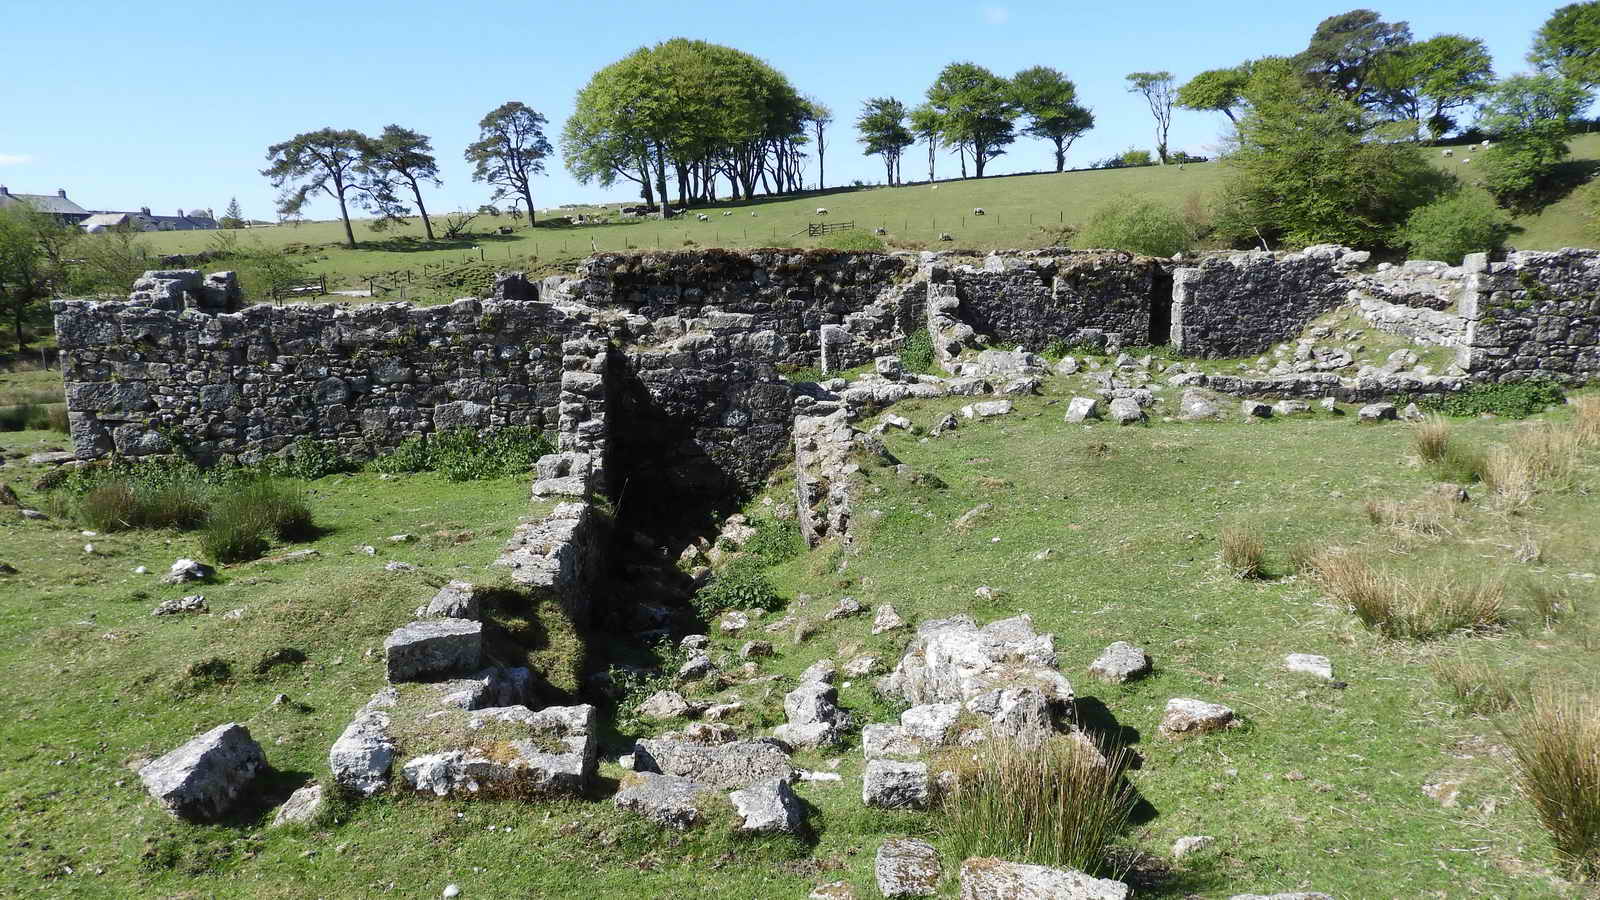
172,104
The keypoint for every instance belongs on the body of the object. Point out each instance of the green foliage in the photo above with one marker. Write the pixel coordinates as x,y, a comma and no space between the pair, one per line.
1055,804
310,460
464,456
1347,53
740,586
1312,167
1531,117
853,239
1556,745
1050,101
31,245
317,162
1220,90
882,131
1158,90
1427,81
1454,225
34,417
118,505
1516,400
243,520
916,352
233,216
510,152
978,111
1568,43
775,542
1139,226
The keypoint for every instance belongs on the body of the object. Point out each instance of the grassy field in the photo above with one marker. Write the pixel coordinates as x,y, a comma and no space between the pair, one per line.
1321,789
1021,211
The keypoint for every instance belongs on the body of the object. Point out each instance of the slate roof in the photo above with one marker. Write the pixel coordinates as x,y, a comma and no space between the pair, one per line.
45,203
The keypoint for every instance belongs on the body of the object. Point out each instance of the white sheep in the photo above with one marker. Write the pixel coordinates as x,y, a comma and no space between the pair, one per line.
1466,159
752,214
703,217
977,210
1487,145
822,210
934,188
727,214
1448,152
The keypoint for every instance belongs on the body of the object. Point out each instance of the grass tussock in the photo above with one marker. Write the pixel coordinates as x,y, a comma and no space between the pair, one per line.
119,505
1431,439
1480,688
1243,552
1411,608
242,522
1543,456
1053,804
1586,420
1431,516
1556,747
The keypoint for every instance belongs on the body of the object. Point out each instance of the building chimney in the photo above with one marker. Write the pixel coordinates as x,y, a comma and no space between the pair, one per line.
145,210
180,213
62,193
4,191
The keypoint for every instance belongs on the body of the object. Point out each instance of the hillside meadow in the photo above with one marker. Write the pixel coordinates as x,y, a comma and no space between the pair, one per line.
1021,211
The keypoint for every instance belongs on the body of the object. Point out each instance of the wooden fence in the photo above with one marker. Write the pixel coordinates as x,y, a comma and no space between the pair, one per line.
818,230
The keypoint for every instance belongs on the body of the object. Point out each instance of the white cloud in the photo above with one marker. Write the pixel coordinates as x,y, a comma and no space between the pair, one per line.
996,15
14,159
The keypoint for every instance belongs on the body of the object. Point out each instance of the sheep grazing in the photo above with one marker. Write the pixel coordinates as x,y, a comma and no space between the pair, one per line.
1466,159
752,215
977,211
947,236
1448,152
703,217
934,188
1487,145
728,213
880,231
822,210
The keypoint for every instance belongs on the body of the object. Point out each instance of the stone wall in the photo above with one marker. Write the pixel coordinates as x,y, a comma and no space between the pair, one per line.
363,378
1236,304
1036,297
1535,315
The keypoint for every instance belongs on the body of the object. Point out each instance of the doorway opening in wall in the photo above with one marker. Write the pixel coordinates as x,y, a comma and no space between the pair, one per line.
1161,306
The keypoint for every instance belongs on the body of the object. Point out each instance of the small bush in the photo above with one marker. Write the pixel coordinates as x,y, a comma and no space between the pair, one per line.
109,507
1453,226
741,586
774,542
119,504
1243,552
34,417
243,520
916,353
1481,688
1055,804
1139,226
1556,745
852,239
234,535
310,460
1432,515
1540,456
1517,400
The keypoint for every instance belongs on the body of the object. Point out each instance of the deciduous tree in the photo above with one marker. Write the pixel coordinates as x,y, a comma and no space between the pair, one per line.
883,132
1568,43
820,117
1346,51
31,249
926,124
1050,101
326,160
978,111
1426,81
1217,90
510,152
1158,91
1530,117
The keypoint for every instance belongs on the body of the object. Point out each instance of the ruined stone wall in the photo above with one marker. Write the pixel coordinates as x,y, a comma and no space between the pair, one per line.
1035,297
242,385
1236,304
1535,315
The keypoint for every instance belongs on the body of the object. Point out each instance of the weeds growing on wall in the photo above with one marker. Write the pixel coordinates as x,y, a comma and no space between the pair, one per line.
462,455
916,354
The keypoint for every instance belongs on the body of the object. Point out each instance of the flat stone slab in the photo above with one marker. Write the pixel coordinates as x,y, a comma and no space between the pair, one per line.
1186,717
433,648
906,867
456,600
301,807
768,806
725,766
1120,662
670,801
1309,664
201,781
361,757
988,878
509,749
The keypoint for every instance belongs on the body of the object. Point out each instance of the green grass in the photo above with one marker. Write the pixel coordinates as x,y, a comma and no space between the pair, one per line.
1321,788
1022,211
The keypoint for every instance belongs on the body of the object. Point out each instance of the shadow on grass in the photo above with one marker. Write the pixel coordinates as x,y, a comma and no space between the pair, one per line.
408,244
